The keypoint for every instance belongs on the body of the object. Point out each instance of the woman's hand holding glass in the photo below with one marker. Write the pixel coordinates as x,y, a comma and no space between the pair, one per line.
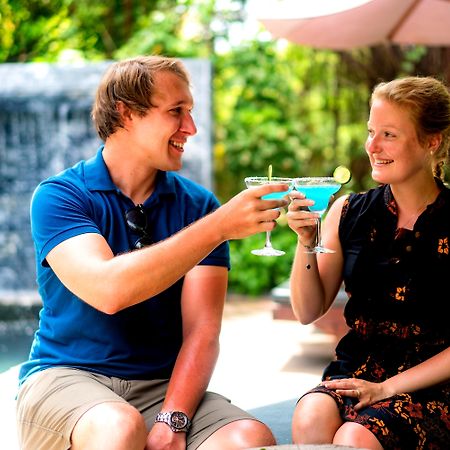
301,220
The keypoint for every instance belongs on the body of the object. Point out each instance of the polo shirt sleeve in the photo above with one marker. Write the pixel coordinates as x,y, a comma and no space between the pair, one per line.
58,212
220,256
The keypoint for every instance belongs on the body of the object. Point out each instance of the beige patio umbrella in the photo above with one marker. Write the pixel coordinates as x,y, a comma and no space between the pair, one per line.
425,22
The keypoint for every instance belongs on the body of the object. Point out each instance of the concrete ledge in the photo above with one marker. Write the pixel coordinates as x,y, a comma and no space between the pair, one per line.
307,447
332,322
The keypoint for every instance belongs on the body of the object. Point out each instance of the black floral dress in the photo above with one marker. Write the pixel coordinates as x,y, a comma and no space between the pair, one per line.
398,313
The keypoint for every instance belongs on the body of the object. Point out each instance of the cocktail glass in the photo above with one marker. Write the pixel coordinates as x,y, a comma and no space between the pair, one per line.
319,189
252,182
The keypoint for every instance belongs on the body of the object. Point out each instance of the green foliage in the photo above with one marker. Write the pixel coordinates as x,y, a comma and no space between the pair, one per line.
279,107
32,29
38,30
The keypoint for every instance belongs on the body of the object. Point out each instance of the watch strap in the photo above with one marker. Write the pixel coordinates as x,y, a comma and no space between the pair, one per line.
178,421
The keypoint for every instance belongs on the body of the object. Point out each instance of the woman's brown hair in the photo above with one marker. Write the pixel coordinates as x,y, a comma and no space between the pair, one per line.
428,102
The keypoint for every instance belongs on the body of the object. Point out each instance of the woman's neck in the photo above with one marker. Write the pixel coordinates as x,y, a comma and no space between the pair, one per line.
411,203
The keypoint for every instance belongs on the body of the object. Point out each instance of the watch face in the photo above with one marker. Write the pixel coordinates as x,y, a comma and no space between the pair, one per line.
179,420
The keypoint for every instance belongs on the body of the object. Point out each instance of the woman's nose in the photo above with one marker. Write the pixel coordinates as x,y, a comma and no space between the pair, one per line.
372,144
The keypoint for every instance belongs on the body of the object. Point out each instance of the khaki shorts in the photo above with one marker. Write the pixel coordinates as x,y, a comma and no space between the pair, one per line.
50,403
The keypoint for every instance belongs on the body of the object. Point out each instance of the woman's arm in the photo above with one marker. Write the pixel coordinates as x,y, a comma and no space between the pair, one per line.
431,372
315,278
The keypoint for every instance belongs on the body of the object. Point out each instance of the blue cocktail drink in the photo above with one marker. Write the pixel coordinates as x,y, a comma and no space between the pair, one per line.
277,195
252,182
319,189
321,195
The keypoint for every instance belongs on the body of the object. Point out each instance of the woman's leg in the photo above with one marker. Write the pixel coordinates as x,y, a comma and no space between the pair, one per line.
356,435
316,420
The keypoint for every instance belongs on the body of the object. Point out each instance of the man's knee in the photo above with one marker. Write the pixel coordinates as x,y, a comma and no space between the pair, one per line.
110,422
243,433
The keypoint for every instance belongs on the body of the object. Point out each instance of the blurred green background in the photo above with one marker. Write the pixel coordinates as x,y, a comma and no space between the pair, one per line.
302,110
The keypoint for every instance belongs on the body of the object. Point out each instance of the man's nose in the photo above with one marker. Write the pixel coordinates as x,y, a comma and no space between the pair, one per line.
188,124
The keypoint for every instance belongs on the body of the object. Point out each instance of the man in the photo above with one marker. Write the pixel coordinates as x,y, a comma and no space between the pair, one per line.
132,264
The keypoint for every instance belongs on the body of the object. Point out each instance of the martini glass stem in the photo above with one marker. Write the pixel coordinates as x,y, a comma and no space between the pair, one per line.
319,232
268,249
268,243
319,248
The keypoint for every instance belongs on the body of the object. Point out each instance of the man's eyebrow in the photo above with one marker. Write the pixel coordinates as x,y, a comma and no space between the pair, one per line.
182,103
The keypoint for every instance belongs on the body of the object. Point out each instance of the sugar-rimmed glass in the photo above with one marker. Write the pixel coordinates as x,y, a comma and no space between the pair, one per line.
252,182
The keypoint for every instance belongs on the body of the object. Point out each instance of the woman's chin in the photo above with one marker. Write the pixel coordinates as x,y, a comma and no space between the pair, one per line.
378,177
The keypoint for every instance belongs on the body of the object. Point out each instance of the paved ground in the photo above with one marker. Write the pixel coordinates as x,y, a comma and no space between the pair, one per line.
264,366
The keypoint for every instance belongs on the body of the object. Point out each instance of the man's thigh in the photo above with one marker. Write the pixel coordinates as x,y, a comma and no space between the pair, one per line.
50,403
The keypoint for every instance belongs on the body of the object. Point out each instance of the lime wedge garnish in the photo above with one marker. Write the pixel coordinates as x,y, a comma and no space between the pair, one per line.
342,174
269,172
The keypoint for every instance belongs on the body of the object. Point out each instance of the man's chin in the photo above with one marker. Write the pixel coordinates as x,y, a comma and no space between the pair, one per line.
174,166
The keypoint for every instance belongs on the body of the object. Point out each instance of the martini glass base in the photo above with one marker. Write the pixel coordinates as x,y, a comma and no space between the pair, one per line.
268,251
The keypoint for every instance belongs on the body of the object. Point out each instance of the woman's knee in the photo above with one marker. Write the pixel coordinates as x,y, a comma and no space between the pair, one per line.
356,435
315,420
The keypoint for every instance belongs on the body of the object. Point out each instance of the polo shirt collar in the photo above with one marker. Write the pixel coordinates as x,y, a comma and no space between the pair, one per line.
165,183
96,174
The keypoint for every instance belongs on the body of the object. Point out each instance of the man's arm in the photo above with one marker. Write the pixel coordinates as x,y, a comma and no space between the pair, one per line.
203,298
86,265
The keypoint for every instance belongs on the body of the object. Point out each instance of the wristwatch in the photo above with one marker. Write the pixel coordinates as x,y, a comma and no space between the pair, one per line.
178,421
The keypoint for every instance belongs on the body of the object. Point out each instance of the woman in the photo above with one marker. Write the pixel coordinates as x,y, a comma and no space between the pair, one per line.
389,386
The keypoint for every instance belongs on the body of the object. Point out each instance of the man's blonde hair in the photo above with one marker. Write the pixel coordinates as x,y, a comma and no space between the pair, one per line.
131,82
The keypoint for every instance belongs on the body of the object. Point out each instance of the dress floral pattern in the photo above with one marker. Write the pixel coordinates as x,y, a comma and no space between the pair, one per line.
398,291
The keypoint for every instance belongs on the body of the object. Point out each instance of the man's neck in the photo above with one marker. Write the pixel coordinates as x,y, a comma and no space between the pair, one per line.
134,179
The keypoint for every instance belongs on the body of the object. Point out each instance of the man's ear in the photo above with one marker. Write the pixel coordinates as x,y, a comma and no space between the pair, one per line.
124,111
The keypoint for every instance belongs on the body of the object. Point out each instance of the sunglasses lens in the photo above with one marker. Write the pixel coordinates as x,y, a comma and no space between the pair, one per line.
137,222
136,219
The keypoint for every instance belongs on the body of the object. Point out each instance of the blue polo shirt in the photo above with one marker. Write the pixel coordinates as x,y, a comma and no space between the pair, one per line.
139,342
